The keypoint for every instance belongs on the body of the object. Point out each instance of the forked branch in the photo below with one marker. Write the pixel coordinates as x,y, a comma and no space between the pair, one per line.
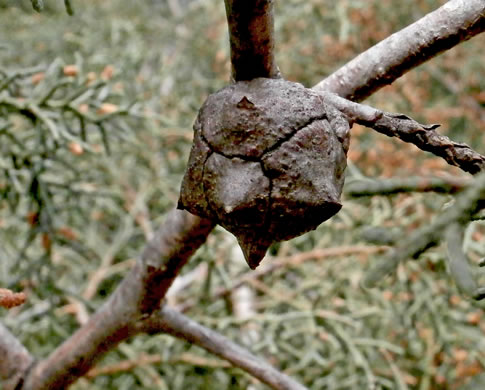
454,22
138,296
170,321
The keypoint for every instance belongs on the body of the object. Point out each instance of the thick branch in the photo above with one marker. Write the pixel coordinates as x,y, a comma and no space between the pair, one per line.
251,35
408,130
15,359
138,295
454,22
172,322
467,203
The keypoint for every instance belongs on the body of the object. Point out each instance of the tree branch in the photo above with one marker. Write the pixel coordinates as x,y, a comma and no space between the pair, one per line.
454,22
408,130
172,322
251,35
138,295
371,187
15,359
466,204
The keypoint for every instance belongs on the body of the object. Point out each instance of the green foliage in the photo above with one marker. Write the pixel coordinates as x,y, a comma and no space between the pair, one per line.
310,316
55,122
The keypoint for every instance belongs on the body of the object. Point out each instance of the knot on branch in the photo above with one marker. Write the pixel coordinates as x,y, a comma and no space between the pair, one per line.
267,162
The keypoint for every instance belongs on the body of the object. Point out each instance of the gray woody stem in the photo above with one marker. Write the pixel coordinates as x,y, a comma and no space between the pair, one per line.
170,321
252,55
408,130
138,296
454,22
371,187
14,359
251,35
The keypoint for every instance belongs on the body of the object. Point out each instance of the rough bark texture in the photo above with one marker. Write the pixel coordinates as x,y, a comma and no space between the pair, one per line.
172,322
401,126
137,296
454,22
251,35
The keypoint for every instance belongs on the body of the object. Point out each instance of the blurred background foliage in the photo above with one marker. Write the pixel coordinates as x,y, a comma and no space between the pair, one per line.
83,186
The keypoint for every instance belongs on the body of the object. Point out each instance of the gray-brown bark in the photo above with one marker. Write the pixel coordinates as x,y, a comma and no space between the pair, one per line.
170,321
371,187
454,22
15,359
136,297
408,130
251,35
140,294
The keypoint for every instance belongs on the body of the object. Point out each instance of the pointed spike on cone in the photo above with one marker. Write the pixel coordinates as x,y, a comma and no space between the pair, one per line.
253,250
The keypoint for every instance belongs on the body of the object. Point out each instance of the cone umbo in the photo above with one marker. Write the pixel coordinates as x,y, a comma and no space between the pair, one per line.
267,162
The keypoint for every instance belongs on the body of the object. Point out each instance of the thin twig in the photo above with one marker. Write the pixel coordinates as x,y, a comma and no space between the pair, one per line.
172,322
119,239
401,126
144,359
449,25
396,185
